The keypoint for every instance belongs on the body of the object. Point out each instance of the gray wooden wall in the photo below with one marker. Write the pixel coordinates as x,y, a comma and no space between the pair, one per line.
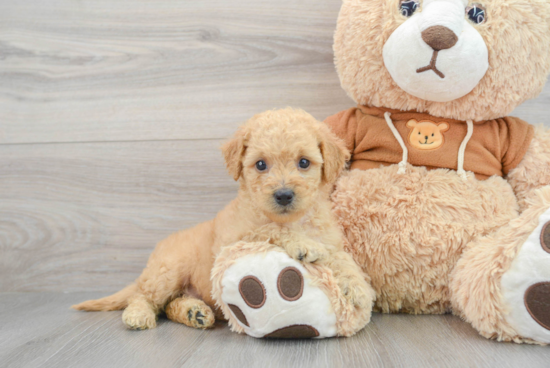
112,113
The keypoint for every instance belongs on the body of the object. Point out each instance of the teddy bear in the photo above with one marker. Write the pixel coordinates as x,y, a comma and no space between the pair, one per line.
446,203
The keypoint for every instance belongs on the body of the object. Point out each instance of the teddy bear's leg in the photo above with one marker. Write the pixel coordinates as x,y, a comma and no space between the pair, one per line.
533,172
264,292
191,312
501,284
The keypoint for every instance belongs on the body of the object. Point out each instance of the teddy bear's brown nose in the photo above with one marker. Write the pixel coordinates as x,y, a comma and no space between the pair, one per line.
439,37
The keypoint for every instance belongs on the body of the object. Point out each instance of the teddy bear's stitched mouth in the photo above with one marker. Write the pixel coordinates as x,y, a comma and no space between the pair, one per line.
426,143
432,66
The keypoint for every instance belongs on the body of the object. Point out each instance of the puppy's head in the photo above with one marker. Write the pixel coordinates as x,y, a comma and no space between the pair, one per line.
284,159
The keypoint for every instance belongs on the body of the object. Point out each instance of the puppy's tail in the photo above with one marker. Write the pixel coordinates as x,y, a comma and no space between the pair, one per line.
116,301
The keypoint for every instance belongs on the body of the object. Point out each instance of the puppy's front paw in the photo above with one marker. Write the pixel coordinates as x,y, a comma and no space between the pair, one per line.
137,318
308,251
357,293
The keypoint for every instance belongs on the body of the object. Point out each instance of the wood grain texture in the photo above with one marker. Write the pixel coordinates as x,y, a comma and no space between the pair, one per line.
99,70
86,216
44,333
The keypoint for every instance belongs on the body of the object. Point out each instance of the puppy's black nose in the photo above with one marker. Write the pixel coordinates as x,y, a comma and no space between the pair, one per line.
284,197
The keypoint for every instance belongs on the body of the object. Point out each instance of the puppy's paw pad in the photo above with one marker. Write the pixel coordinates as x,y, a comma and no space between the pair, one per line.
200,316
139,319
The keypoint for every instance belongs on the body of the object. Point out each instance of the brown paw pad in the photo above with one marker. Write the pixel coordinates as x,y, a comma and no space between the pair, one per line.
252,291
290,284
294,332
537,302
238,313
545,237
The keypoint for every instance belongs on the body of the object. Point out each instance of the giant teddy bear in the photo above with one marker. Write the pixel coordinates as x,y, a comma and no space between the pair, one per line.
446,205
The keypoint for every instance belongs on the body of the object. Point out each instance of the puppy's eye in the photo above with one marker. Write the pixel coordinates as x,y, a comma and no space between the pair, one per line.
476,13
408,7
261,165
303,163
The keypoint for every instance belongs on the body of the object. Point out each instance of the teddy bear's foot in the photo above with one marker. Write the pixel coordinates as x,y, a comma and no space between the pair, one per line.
271,295
526,285
264,292
501,284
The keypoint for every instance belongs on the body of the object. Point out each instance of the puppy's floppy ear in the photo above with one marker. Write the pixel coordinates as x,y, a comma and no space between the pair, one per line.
335,154
233,152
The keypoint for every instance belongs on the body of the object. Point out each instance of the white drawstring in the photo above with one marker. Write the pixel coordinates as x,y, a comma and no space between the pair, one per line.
403,163
462,150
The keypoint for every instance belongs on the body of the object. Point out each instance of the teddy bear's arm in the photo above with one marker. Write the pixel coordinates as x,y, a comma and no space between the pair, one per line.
344,125
533,171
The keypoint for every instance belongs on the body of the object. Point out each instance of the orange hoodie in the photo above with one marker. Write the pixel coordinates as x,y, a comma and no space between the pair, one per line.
495,148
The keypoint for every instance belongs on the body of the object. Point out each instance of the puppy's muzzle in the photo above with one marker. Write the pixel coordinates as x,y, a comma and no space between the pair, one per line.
284,197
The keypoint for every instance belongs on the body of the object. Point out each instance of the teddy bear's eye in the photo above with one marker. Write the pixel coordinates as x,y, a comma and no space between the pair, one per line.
476,13
408,7
432,134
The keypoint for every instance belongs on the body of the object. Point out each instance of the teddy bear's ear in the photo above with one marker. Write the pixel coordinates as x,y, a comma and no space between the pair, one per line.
443,127
233,152
335,154
412,123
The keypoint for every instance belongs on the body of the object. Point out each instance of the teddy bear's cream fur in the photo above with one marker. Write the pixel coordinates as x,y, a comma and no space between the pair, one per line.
430,240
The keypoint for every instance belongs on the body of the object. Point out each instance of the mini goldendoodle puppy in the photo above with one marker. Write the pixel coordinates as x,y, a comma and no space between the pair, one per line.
287,163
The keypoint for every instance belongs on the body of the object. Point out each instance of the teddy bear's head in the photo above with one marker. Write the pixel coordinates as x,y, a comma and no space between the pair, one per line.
459,59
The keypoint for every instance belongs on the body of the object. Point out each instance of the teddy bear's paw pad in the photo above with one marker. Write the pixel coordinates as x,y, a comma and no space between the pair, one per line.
238,313
294,332
545,237
526,285
290,284
271,295
252,291
537,301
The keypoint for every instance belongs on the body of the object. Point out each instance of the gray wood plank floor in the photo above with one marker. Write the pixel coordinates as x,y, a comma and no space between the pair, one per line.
111,115
44,333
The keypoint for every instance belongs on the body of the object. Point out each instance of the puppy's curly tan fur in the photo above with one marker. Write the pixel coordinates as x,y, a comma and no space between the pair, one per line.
177,276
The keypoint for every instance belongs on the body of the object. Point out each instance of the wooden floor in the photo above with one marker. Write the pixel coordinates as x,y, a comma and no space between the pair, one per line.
111,115
43,332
